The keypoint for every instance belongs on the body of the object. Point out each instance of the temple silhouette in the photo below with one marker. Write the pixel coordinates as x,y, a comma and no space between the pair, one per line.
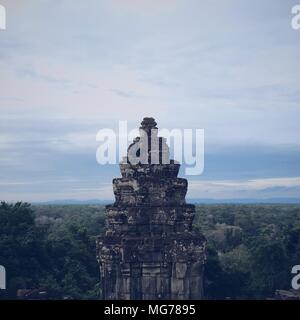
149,249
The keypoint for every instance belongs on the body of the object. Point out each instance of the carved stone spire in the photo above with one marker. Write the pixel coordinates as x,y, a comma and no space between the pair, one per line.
150,250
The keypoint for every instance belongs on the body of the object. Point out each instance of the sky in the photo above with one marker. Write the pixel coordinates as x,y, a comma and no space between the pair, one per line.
69,69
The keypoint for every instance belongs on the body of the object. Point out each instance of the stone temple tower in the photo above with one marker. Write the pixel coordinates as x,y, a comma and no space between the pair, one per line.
149,250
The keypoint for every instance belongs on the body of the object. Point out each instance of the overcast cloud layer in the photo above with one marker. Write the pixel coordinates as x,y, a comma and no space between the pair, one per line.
68,70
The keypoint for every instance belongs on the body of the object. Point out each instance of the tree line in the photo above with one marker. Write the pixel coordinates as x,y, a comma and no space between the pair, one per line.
251,249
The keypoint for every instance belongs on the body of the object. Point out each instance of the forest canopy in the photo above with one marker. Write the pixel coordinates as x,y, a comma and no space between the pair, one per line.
251,249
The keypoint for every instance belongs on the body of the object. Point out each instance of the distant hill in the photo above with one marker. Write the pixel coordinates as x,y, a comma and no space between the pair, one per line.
246,201
195,201
74,202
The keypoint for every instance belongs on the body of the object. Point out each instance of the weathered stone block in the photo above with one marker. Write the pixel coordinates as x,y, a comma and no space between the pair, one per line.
177,286
180,270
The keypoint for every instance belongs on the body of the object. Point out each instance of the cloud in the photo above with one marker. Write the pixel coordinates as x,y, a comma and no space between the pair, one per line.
256,188
145,5
69,70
